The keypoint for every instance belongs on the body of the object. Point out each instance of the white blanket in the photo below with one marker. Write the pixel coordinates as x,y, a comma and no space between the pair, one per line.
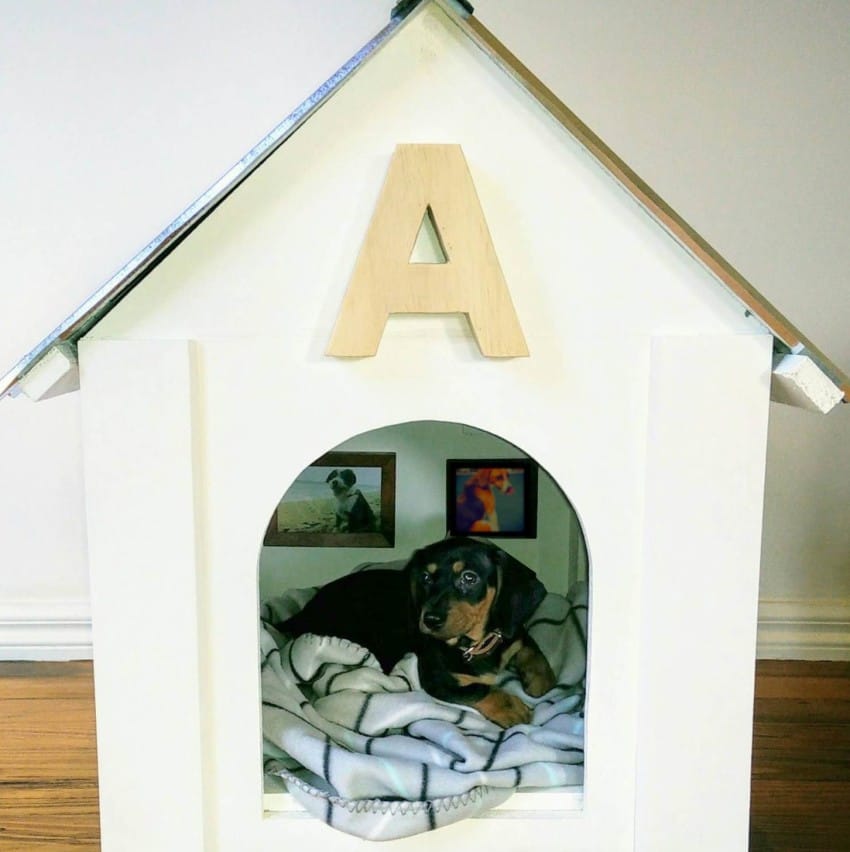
374,755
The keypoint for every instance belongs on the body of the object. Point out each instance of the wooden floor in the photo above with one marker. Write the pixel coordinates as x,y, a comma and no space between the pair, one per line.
48,761
801,758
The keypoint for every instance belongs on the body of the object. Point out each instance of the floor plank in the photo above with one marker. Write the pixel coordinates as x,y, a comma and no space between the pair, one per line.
801,758
48,758
49,816
800,816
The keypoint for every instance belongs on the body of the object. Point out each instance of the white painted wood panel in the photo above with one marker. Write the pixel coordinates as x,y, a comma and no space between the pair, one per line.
225,471
706,442
559,421
139,442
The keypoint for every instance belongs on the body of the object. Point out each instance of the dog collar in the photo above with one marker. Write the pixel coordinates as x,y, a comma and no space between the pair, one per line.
484,645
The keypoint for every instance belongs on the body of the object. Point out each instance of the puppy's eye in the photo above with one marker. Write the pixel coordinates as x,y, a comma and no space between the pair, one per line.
468,579
427,579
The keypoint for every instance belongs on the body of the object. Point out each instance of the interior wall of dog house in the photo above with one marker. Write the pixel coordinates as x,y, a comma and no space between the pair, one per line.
557,553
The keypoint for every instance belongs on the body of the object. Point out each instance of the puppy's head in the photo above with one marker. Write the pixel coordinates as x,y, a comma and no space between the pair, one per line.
462,587
341,481
496,478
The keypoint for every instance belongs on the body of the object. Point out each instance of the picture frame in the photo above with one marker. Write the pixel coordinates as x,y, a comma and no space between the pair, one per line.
495,498
340,500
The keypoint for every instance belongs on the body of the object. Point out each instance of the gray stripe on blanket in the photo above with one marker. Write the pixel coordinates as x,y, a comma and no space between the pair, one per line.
423,797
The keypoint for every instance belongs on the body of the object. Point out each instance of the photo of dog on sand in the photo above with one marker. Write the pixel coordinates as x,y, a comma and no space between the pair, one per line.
340,500
352,512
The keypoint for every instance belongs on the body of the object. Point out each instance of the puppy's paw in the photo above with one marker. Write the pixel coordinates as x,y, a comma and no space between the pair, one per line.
533,669
538,681
504,709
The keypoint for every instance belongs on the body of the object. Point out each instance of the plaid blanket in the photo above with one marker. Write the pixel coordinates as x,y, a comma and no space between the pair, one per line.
374,755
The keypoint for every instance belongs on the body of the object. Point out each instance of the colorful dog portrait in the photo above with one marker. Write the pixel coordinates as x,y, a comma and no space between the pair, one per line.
491,497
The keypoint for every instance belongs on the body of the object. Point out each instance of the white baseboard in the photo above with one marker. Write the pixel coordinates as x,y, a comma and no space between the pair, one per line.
45,630
787,629
810,629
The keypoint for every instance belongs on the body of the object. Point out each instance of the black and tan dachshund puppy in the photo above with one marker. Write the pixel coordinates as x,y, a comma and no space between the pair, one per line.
460,605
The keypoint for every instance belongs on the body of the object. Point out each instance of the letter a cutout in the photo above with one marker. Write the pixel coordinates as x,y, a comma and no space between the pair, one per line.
424,178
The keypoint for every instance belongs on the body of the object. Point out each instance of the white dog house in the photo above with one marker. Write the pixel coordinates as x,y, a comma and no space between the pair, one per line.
605,339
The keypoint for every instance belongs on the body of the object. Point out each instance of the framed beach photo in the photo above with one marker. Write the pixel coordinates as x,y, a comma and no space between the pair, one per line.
495,498
340,500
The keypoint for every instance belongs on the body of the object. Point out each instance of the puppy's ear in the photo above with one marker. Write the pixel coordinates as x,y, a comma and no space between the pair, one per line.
331,475
412,570
519,593
348,477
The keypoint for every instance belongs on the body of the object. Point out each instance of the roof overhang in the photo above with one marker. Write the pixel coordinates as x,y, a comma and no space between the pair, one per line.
803,375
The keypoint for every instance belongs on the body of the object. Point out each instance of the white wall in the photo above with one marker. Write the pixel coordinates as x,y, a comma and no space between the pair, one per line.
117,116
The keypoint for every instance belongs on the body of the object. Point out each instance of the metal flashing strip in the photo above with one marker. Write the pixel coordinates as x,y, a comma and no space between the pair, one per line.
99,303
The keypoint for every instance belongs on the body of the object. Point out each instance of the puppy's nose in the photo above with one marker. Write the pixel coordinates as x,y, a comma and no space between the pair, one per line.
432,620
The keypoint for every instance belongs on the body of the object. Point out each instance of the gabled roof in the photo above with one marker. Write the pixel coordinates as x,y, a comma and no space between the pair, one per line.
803,374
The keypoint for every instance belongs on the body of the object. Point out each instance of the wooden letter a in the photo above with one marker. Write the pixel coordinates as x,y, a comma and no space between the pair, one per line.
427,180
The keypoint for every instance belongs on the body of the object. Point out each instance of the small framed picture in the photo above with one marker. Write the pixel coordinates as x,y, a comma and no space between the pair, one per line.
496,498
340,500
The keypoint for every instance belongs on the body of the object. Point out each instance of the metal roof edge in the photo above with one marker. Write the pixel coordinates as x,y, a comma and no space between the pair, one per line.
102,300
